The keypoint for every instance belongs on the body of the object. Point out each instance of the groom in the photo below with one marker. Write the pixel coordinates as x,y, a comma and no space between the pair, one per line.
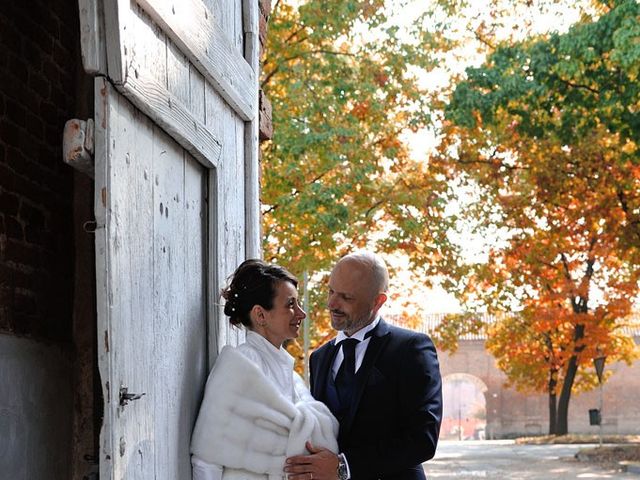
381,382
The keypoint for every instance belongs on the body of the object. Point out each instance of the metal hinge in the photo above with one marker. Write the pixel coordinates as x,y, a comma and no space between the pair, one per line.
77,145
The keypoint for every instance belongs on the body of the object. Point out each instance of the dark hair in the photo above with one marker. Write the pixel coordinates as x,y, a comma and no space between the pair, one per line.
253,283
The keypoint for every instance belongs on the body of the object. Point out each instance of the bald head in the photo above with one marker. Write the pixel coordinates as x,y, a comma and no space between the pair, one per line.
373,268
357,289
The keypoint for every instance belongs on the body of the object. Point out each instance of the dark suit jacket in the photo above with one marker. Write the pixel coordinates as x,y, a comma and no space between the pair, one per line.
394,420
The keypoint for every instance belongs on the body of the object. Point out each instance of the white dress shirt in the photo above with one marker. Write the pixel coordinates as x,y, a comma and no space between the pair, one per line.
277,365
361,348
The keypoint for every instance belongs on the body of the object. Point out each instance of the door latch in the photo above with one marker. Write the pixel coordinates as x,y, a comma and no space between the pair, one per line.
126,397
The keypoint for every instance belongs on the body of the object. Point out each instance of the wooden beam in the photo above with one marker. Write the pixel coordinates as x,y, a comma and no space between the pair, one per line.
253,247
92,41
173,116
192,27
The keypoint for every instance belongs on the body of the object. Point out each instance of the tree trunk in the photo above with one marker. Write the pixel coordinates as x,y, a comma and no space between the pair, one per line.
553,397
567,385
553,421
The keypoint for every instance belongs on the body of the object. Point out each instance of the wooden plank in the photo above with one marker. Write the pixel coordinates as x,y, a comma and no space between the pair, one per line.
146,47
251,142
178,82
124,270
92,41
195,328
168,112
102,186
168,300
116,15
214,309
230,207
191,26
197,99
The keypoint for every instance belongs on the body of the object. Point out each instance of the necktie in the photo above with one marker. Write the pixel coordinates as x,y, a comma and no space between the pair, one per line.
345,378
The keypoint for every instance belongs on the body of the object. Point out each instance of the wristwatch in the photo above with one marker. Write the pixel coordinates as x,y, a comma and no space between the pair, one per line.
343,473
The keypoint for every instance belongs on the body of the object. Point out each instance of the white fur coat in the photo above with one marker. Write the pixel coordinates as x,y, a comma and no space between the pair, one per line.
246,425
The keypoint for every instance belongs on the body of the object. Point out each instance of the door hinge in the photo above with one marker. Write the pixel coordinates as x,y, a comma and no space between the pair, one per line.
77,145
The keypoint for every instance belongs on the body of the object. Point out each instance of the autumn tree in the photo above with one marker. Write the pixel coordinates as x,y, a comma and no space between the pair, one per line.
337,174
544,134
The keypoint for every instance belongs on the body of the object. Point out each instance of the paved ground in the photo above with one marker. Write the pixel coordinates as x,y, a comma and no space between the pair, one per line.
504,460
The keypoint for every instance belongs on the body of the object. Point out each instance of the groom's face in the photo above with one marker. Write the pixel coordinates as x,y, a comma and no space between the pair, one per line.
351,298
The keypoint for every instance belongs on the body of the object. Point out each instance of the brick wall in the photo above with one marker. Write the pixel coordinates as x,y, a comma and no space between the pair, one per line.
265,121
38,61
510,413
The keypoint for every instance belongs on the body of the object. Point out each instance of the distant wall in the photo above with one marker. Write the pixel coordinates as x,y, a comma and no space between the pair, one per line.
35,401
511,413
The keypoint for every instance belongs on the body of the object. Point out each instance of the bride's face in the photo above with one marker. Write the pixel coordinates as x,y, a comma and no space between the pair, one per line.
283,321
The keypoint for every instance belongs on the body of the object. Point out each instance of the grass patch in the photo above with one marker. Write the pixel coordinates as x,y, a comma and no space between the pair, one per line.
578,439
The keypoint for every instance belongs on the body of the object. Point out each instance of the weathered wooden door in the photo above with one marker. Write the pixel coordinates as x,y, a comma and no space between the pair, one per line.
176,210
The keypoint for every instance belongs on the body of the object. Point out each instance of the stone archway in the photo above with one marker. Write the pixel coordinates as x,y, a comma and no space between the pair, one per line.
464,407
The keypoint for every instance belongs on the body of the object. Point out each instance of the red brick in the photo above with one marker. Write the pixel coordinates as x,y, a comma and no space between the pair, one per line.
7,175
32,216
265,118
9,203
51,71
48,112
18,68
24,303
33,55
14,228
23,254
39,85
60,55
9,132
35,125
10,39
16,112
265,7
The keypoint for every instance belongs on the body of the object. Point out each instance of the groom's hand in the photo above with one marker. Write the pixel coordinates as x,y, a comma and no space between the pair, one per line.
320,464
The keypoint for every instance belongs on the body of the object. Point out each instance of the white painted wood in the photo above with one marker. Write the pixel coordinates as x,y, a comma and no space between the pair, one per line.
152,266
151,69
197,100
116,17
191,26
189,141
165,109
92,45
124,266
178,82
230,218
253,234
214,310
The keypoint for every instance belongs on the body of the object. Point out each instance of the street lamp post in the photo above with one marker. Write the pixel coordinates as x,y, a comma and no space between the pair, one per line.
598,362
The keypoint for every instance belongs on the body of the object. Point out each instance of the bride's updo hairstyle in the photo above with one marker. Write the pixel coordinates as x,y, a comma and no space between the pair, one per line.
253,283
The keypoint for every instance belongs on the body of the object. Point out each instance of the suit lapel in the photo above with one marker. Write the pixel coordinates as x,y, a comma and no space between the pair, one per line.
325,362
379,339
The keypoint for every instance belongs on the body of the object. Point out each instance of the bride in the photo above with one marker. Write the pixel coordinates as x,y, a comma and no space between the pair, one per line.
256,410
